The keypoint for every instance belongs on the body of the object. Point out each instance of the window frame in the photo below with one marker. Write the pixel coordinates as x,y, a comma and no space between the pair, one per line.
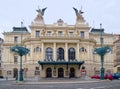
37,33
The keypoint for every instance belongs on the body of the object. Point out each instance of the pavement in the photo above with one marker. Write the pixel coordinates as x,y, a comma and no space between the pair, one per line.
38,81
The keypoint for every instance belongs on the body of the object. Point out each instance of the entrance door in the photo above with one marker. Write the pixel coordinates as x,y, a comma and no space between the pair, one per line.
60,73
72,73
15,72
48,72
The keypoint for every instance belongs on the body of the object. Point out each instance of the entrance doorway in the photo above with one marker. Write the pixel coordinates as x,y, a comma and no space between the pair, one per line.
72,73
60,73
15,72
48,72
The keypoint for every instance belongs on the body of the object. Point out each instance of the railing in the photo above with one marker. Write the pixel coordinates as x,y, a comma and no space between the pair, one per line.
60,60
61,35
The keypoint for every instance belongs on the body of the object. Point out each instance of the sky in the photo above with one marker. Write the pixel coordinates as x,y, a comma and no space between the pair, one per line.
107,12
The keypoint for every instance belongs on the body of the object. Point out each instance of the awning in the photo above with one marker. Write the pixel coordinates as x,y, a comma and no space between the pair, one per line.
67,63
60,62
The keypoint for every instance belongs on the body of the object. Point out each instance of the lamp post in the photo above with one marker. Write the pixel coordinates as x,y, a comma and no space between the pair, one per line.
101,52
21,71
20,50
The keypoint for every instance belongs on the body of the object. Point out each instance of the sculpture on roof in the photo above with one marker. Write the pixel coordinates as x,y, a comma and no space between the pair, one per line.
40,15
79,14
41,11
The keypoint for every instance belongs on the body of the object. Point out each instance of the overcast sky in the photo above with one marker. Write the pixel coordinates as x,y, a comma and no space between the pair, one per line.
107,12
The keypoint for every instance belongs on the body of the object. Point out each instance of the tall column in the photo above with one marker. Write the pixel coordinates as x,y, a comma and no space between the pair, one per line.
43,56
54,52
66,51
77,52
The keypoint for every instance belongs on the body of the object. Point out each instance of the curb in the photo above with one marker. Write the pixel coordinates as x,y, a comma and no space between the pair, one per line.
70,82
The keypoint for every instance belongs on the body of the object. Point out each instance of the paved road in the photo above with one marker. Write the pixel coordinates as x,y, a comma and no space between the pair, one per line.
115,84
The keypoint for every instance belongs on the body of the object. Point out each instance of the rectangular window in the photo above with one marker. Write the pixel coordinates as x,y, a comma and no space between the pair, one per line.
97,72
9,72
82,34
71,33
37,33
37,72
36,68
15,59
15,39
48,33
60,33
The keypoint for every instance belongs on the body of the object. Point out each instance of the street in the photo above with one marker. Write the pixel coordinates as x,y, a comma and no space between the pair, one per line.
115,84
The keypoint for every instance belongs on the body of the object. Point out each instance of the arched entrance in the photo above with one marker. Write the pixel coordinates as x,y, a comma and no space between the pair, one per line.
72,73
48,72
60,73
15,72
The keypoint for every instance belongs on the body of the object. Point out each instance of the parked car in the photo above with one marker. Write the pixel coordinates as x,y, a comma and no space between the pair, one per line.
116,75
95,77
106,76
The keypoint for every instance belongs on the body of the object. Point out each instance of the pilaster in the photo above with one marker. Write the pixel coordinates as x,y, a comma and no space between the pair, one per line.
54,51
77,52
66,51
43,56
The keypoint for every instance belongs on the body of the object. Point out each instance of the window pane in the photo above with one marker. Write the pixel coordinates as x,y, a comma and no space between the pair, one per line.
15,59
49,33
37,33
82,34
60,54
71,54
49,54
60,33
15,39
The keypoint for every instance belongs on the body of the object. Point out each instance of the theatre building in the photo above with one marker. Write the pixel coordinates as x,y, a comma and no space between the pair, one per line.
57,50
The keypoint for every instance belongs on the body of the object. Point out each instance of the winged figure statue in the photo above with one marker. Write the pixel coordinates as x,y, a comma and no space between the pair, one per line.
78,12
41,11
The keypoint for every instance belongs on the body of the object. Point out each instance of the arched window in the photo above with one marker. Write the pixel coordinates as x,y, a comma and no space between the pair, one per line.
60,54
49,54
71,54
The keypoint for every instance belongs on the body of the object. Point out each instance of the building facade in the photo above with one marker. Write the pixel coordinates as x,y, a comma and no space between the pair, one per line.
57,50
117,55
1,57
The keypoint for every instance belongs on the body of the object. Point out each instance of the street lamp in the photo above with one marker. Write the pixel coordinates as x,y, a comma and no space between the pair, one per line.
20,50
101,52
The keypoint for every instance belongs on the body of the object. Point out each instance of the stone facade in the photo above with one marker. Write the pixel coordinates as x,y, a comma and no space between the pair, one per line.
1,57
117,55
65,46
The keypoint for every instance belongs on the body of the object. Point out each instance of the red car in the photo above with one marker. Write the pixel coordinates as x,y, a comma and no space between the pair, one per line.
107,76
95,77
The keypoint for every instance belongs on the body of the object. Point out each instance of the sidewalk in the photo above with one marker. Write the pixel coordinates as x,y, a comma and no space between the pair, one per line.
59,81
